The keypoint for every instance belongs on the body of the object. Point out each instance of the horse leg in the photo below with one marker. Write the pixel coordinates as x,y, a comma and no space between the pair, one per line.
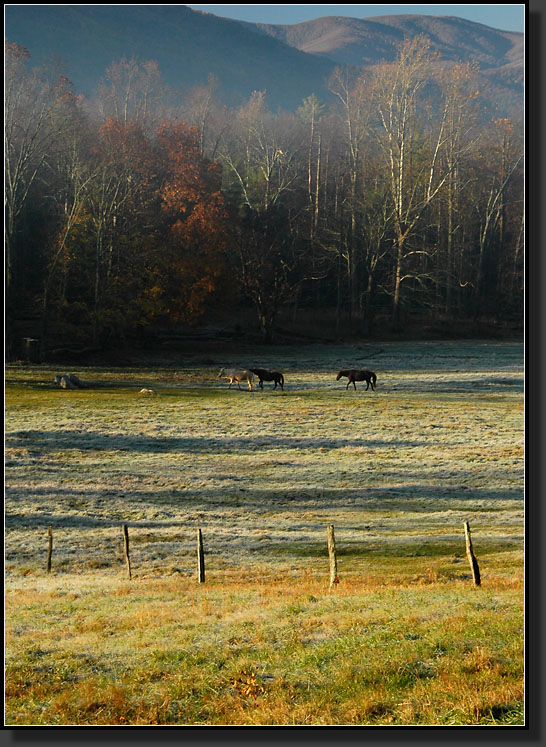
354,384
347,384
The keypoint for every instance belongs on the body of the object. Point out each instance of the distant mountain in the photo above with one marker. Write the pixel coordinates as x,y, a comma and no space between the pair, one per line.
353,41
368,41
187,45
288,61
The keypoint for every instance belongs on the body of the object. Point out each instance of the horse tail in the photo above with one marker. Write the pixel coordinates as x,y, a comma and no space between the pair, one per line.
374,379
281,379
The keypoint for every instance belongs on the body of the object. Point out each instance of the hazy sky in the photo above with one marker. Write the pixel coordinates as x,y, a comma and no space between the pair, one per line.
504,17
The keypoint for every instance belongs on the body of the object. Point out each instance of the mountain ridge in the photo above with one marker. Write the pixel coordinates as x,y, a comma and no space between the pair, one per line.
447,34
288,61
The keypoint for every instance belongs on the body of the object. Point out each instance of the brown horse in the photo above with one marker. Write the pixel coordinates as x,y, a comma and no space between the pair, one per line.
354,375
265,375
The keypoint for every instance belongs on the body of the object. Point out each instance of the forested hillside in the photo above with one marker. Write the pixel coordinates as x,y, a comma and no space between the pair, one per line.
371,214
188,47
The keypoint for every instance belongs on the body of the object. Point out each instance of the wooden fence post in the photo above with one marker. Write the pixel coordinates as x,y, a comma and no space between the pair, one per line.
49,548
334,579
200,558
126,548
471,557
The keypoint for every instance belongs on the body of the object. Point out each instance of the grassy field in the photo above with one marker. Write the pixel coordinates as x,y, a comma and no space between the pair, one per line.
405,638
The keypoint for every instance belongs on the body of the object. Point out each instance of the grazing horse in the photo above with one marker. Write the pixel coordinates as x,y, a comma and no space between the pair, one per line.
353,375
265,375
234,374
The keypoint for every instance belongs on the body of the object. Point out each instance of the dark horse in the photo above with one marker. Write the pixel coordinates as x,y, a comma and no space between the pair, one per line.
265,375
353,375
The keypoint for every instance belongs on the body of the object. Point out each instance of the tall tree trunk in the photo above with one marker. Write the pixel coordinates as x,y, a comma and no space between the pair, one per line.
449,248
397,283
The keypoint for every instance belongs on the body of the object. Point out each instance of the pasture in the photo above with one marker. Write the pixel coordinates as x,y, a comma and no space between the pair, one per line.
404,638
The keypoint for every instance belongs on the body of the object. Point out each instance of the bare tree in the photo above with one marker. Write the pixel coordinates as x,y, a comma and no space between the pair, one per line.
133,91
258,155
70,178
262,177
204,109
461,132
504,159
353,97
113,196
414,142
34,123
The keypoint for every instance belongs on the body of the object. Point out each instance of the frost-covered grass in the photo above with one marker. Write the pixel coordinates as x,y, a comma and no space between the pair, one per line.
397,471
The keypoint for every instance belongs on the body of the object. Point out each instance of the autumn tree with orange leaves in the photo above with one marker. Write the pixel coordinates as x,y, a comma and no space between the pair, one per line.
189,263
147,233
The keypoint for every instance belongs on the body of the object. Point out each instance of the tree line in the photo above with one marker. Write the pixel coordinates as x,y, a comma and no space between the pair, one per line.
392,204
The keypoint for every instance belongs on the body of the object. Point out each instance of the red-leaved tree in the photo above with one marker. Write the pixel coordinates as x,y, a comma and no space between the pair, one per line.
189,264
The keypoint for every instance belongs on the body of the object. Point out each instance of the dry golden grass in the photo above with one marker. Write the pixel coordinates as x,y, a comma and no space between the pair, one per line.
169,651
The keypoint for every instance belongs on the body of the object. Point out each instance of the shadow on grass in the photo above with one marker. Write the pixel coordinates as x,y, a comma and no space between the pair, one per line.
409,547
208,504
63,440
